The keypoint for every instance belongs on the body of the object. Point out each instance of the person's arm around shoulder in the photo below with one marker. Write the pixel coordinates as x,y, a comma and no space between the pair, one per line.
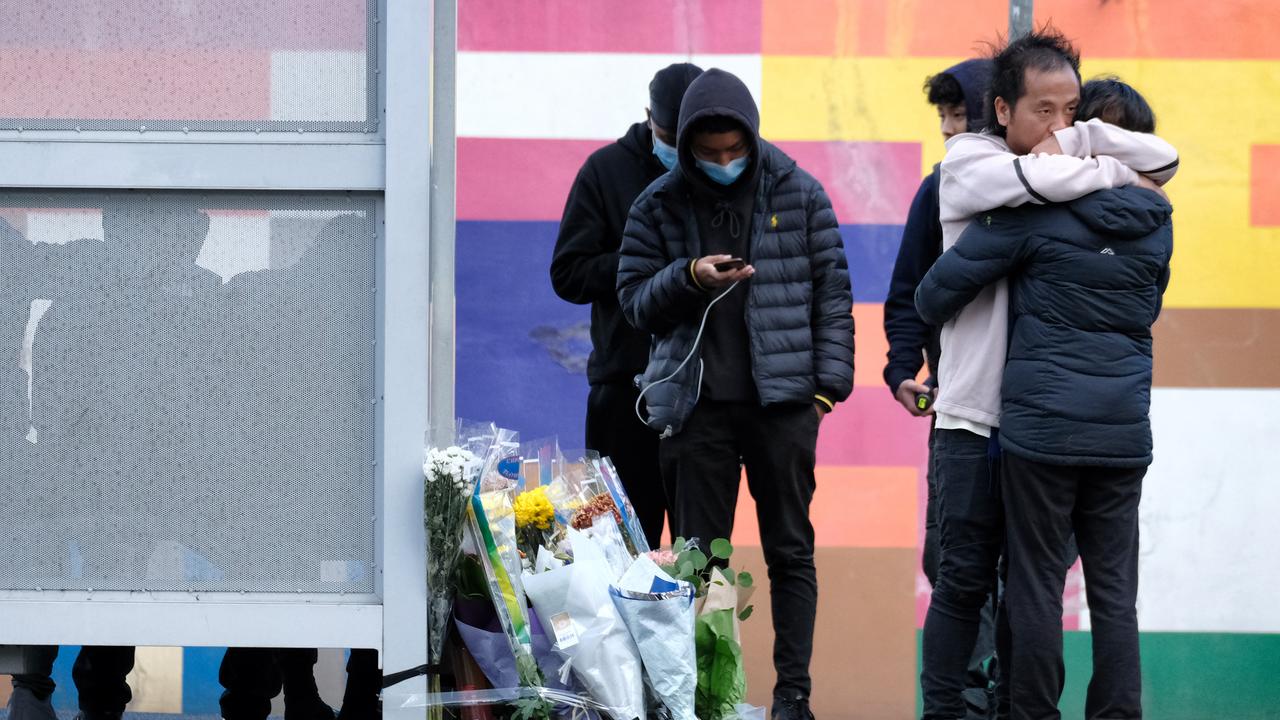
979,174
990,248
1147,154
831,314
584,264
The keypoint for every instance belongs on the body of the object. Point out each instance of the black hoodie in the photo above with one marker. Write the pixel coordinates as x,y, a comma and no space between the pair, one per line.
584,265
723,214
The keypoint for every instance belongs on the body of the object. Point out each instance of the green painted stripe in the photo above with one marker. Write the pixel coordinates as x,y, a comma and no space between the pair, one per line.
1188,676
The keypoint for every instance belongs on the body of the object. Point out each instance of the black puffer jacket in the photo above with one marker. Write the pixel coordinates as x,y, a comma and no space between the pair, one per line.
1087,282
799,304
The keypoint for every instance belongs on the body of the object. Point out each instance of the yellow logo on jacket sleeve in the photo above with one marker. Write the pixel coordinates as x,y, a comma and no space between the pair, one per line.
773,221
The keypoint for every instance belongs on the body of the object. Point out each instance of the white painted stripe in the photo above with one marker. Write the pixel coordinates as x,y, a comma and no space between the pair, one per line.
59,227
156,680
319,86
1210,513
582,96
236,244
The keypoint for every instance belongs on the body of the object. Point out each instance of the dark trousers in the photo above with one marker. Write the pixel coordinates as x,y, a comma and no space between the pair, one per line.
701,468
364,682
1044,503
614,431
99,673
970,537
40,680
978,680
253,676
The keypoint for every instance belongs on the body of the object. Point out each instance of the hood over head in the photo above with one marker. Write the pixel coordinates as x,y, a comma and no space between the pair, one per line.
717,93
974,77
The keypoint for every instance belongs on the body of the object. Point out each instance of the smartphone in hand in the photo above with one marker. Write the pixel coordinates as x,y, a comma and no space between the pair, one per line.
730,264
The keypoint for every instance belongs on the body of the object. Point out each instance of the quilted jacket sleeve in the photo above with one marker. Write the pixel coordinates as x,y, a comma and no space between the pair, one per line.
832,313
656,291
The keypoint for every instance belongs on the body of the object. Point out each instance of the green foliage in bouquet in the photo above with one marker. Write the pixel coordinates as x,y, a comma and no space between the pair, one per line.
721,594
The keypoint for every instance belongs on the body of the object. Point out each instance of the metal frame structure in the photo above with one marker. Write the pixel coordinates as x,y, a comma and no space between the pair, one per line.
392,157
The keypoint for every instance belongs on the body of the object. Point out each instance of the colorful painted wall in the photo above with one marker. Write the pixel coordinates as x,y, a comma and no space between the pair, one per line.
542,84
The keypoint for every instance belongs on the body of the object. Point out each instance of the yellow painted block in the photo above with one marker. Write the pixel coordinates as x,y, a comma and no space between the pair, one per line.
1213,111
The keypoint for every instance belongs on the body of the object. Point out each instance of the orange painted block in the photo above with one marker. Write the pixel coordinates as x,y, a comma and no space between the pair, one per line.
1193,29
853,506
895,28
1264,185
872,345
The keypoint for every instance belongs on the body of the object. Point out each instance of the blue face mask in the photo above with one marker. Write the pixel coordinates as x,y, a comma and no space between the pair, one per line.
725,174
665,153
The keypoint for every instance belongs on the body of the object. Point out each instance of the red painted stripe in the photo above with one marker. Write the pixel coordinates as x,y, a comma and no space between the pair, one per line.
871,428
514,179
136,85
503,179
191,26
869,183
1192,29
616,26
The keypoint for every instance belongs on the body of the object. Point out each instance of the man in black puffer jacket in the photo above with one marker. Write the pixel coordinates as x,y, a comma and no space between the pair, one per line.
1087,279
584,268
747,357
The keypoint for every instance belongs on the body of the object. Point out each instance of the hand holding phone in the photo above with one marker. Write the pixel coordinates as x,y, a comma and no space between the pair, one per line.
730,264
717,271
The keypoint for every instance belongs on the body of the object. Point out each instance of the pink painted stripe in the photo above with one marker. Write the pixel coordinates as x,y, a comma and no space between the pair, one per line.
502,179
869,183
513,179
871,428
616,26
194,26
136,85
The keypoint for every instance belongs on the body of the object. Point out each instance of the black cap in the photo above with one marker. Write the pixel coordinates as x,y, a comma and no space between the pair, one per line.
666,90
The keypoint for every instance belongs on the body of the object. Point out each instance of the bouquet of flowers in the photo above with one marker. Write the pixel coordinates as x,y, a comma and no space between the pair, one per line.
449,476
535,521
721,605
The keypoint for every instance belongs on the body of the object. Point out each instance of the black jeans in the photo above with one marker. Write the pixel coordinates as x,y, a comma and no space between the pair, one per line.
614,431
971,536
984,648
40,680
1044,503
99,673
253,676
701,467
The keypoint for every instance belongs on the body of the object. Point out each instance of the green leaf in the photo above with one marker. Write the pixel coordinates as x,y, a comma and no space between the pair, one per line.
677,543
699,560
729,575
746,613
686,569
744,579
721,548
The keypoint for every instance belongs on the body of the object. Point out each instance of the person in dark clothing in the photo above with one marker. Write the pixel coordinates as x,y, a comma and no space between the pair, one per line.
957,94
584,268
253,676
1087,280
734,262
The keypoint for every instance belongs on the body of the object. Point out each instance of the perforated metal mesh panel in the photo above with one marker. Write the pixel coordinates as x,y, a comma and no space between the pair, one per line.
186,387
229,65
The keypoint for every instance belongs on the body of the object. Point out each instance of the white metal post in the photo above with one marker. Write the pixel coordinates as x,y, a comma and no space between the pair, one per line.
403,299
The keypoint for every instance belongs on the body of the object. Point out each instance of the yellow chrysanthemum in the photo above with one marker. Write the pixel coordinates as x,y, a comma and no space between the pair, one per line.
534,509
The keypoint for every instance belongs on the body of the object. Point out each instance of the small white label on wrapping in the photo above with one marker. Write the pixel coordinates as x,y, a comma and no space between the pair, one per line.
334,571
562,627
